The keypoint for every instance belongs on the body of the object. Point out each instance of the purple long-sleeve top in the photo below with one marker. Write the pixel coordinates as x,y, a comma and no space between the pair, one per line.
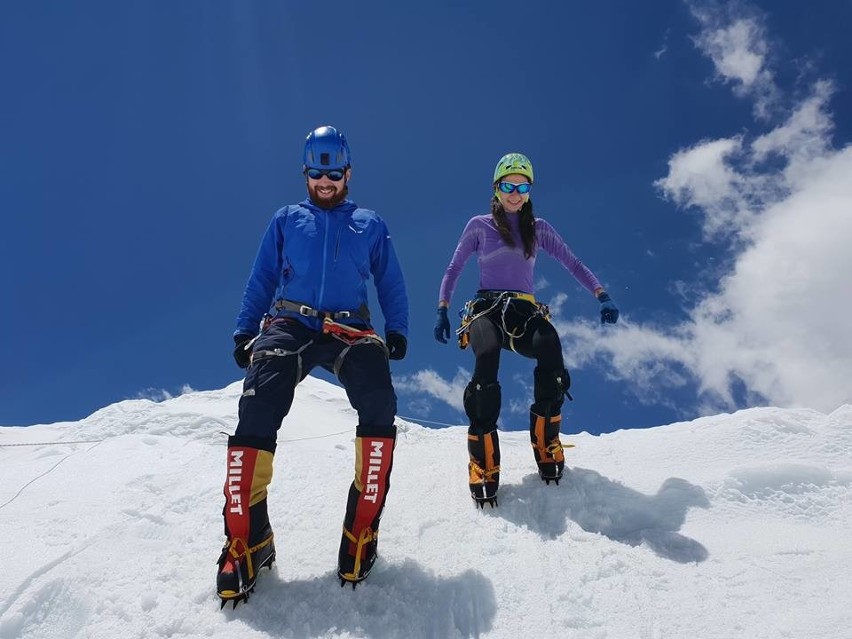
505,268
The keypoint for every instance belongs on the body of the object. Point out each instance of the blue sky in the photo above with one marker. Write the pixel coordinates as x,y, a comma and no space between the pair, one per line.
695,157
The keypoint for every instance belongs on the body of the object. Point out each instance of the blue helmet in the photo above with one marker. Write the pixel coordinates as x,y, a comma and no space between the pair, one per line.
326,148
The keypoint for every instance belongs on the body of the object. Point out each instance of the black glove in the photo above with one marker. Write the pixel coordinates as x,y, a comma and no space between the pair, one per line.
241,354
609,312
397,345
442,325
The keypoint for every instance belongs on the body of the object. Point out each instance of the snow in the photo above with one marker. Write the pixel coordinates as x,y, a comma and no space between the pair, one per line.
727,526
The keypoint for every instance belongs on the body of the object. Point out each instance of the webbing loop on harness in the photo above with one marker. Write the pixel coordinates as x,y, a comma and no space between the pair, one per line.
350,336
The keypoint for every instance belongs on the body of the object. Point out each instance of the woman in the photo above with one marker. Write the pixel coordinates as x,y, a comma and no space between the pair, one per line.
505,315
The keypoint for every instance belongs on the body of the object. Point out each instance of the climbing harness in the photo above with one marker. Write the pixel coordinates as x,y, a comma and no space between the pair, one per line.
349,335
498,299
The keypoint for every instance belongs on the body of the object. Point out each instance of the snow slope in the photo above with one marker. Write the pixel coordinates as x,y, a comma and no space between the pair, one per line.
727,526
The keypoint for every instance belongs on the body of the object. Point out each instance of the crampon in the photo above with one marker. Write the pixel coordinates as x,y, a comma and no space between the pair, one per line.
354,568
238,569
483,484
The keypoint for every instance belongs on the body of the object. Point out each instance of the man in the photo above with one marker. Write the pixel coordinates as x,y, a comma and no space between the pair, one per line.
307,293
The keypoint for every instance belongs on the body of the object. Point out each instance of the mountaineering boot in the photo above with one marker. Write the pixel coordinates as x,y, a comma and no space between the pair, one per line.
482,406
550,388
249,544
373,462
483,467
239,564
544,435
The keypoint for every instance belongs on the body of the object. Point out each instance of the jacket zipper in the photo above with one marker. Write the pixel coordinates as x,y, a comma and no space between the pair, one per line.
324,259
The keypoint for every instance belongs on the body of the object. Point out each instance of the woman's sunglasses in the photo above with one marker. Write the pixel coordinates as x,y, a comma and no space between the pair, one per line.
508,187
335,175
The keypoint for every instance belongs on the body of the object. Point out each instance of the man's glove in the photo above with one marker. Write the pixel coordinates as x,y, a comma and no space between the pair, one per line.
397,345
442,325
609,312
241,354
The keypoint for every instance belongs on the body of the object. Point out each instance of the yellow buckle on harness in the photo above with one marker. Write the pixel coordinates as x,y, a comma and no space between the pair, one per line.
527,297
495,295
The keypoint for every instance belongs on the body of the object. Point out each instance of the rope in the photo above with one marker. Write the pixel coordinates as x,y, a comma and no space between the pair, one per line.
426,421
78,441
48,471
221,432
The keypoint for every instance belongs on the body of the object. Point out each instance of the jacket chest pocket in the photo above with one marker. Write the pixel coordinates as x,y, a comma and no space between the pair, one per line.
302,255
352,248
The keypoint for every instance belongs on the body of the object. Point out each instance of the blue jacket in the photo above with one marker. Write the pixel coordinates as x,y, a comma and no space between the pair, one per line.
323,258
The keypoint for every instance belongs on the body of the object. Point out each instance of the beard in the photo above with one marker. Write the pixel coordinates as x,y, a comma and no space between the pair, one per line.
328,201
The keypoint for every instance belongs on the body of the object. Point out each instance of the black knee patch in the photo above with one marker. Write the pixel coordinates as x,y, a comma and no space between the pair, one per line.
550,389
482,404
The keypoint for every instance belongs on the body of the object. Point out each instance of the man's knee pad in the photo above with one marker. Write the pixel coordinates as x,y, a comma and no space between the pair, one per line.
375,406
549,390
482,404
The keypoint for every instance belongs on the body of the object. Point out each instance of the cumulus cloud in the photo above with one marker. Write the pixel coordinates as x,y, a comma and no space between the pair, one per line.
737,46
775,326
433,385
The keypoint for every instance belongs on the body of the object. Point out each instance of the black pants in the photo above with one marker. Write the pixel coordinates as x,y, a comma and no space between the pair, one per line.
536,339
284,355
539,339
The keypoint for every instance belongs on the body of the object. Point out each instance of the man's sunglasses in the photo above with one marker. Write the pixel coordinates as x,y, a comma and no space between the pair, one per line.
335,175
508,187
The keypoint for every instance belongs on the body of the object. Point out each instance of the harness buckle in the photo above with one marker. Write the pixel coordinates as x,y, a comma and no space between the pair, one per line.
306,311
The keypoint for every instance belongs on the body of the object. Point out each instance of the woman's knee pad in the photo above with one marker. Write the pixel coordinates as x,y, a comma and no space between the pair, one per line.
482,403
550,388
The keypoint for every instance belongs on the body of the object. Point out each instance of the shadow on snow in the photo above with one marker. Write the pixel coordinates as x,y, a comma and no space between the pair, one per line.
600,505
397,600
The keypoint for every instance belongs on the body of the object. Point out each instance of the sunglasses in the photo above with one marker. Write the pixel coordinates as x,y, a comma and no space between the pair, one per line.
335,175
508,187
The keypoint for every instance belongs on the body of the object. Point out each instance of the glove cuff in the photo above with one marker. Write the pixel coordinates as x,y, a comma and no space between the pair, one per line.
241,338
604,297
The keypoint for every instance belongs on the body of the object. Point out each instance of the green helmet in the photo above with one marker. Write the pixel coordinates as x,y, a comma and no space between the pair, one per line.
513,163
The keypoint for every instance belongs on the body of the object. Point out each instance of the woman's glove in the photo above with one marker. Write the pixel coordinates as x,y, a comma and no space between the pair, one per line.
609,312
442,325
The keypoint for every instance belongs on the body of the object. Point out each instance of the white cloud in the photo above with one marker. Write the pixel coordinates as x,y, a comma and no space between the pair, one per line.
702,177
541,284
659,53
430,382
776,327
738,48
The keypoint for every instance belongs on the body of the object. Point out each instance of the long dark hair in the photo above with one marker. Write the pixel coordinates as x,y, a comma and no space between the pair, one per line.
527,225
